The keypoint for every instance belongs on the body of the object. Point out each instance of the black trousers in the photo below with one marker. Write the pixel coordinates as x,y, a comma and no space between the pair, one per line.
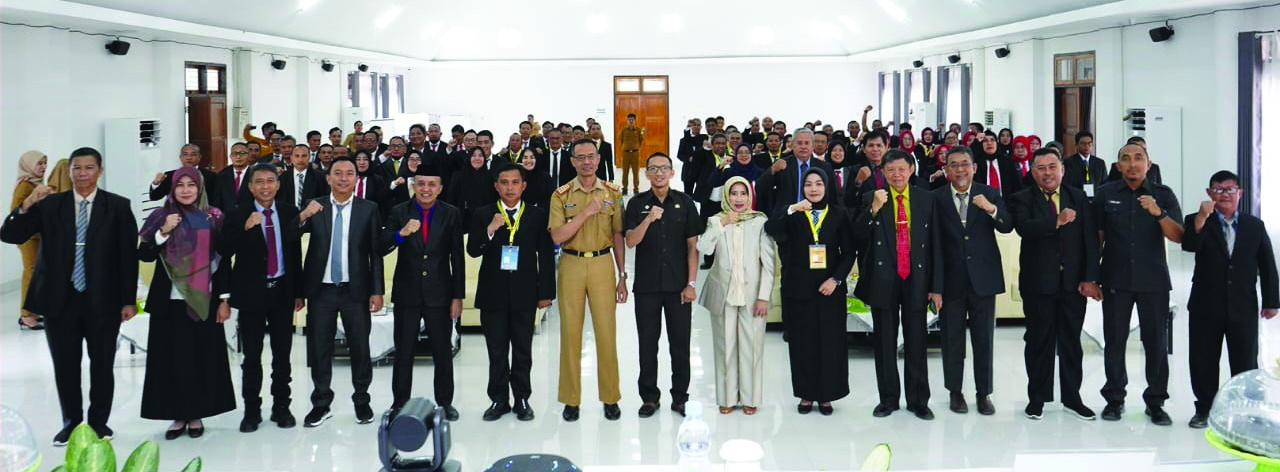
1205,335
1054,322
911,314
322,318
439,329
508,332
1153,312
650,309
68,333
276,321
977,314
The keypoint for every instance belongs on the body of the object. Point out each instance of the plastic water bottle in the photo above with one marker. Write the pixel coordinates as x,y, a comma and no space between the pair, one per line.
694,436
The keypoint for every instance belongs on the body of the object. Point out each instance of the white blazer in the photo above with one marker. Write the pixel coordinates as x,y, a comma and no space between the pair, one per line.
757,253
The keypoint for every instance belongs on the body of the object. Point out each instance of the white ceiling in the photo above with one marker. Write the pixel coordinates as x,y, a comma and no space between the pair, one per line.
463,30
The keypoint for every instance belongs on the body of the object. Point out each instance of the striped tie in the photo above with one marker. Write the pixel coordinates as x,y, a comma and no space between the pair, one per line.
335,249
82,228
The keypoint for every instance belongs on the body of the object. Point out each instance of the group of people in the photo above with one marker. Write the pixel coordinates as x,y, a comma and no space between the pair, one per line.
287,226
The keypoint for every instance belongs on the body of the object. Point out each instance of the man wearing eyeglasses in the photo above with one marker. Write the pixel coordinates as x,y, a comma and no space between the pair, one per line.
1232,251
233,180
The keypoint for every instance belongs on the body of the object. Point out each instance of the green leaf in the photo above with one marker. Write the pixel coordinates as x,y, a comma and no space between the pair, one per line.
878,459
146,458
61,468
194,466
98,457
81,437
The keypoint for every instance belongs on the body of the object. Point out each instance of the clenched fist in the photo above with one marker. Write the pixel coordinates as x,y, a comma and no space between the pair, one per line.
38,194
802,205
981,201
255,219
778,166
877,202
410,227
313,207
498,221
1149,203
159,178
1067,215
655,214
170,222
862,176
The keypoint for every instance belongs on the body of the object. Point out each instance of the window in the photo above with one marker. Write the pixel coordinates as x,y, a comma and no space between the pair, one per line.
915,86
890,97
200,79
374,97
193,79
1074,69
398,97
953,94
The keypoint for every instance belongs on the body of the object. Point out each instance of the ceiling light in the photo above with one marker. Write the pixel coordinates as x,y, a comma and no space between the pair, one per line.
387,17
433,29
893,10
849,24
672,22
826,30
306,4
597,23
762,35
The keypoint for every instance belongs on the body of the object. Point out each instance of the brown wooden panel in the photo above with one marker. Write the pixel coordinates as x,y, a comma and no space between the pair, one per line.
653,119
207,125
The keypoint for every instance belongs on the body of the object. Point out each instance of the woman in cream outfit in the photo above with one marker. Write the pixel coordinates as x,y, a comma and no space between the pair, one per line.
737,294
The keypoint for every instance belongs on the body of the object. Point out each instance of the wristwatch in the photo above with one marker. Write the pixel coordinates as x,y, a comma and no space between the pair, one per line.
691,284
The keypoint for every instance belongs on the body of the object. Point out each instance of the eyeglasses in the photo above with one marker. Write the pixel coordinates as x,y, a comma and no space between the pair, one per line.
658,168
583,157
1225,191
396,145
237,153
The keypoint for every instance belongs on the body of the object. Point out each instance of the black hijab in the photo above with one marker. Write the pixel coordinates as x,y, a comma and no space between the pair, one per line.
826,183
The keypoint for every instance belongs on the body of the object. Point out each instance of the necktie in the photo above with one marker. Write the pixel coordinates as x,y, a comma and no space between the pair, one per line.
82,228
426,226
993,174
1229,232
963,197
273,264
879,177
804,167
237,191
360,188
298,198
396,163
1053,208
335,249
815,214
839,178
511,214
904,240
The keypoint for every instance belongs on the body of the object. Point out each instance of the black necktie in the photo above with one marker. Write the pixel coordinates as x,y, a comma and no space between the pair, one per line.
511,214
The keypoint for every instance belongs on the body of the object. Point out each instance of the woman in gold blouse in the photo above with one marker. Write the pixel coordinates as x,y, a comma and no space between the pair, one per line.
31,167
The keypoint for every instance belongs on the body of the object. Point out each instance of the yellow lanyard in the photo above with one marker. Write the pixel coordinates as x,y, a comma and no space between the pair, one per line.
513,226
816,226
719,159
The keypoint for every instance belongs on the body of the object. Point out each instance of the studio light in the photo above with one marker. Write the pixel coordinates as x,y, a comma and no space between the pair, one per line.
407,430
364,68
118,47
326,66
1161,34
917,63
278,64
1002,53
954,58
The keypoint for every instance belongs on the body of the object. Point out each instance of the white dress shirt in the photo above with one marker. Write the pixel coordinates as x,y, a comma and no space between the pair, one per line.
346,240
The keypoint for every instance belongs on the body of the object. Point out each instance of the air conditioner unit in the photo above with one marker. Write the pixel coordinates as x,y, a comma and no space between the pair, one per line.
131,156
1161,127
350,115
922,115
997,118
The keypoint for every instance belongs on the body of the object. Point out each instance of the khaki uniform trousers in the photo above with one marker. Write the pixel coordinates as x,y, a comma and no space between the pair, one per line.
584,279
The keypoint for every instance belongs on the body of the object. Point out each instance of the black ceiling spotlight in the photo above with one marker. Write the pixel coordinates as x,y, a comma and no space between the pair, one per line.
954,58
278,64
1162,33
118,47
1002,53
363,68
326,66
917,63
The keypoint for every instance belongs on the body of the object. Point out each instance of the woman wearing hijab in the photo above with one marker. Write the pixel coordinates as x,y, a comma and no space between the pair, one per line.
31,167
370,184
1021,155
188,375
815,242
933,168
907,142
737,293
841,169
538,186
1004,142
472,186
1034,142
928,140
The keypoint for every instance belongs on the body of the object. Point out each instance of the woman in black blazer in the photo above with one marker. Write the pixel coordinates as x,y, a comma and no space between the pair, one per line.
472,186
538,183
813,292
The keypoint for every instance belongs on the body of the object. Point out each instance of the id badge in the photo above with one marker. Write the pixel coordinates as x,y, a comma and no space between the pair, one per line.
1088,190
510,257
817,256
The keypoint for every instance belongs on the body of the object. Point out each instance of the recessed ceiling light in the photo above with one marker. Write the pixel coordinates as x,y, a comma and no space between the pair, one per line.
762,35
894,11
849,24
388,16
433,29
597,23
305,4
672,22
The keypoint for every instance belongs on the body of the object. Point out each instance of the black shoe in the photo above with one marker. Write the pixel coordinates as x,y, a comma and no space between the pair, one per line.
450,413
283,418
1158,415
1080,411
1199,421
250,423
826,410
958,404
923,412
1112,411
570,413
678,408
646,409
316,417
705,266
103,432
172,434
364,414
64,435
523,411
196,432
804,408
884,409
985,407
1035,410
495,411
612,412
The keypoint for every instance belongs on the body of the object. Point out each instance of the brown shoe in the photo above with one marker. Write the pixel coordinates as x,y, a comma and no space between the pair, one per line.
749,410
724,410
985,407
958,404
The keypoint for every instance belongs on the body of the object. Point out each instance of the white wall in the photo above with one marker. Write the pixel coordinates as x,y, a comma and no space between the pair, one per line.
498,96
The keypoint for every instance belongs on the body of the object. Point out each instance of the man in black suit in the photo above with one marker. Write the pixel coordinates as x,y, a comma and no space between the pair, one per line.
418,138
969,214
690,143
1004,177
233,181
517,277
901,274
559,161
300,176
189,157
605,170
429,278
772,151
868,174
529,141
1059,268
780,186
85,284
343,275
433,143
1083,170
1232,251
265,241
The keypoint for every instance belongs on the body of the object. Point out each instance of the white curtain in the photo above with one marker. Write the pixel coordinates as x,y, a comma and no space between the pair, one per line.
885,112
954,93
1269,345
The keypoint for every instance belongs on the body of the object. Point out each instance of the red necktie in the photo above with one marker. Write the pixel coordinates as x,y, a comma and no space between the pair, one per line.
904,240
839,178
270,229
426,218
993,174
879,179
360,188
237,192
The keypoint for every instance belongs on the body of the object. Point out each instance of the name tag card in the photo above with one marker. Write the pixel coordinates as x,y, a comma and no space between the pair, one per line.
817,256
510,257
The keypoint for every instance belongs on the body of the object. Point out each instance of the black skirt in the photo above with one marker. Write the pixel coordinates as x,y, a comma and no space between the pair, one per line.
817,345
188,371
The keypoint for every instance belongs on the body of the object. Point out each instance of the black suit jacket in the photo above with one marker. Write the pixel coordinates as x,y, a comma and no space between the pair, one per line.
441,259
313,186
780,190
1230,283
534,279
111,252
1041,272
605,169
1010,175
689,145
567,171
210,187
364,258
970,258
1074,174
246,253
879,269
794,236
226,186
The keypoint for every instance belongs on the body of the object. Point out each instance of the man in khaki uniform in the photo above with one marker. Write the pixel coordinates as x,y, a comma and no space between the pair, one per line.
629,141
586,220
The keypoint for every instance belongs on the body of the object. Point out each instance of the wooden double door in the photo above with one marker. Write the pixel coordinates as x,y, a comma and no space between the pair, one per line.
646,97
